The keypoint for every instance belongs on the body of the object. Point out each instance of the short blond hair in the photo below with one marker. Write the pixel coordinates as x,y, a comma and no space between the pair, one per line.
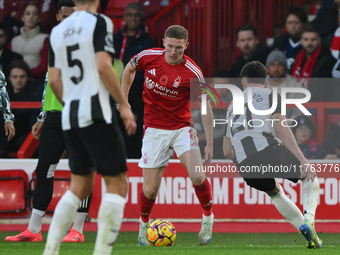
176,31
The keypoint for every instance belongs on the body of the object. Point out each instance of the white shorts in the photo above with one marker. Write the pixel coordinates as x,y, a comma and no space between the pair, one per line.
158,142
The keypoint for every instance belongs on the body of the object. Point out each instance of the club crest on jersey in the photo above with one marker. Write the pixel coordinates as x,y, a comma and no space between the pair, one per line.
177,82
163,80
150,84
109,39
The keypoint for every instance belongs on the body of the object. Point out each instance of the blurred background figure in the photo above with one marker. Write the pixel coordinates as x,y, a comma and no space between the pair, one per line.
278,77
21,88
251,49
129,41
304,133
314,61
6,56
219,77
289,41
31,43
330,147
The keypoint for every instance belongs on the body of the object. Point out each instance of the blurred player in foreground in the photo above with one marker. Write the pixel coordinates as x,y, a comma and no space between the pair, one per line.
51,148
82,77
5,108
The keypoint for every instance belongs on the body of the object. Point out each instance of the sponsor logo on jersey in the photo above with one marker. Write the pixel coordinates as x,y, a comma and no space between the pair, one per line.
150,84
177,82
163,80
152,71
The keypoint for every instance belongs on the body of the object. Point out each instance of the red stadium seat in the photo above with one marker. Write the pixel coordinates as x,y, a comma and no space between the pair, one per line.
13,193
62,181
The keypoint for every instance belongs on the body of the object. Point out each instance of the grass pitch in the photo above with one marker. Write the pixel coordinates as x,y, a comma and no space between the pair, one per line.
186,243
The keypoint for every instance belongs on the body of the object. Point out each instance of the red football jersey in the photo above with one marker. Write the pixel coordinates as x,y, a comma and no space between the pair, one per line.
166,92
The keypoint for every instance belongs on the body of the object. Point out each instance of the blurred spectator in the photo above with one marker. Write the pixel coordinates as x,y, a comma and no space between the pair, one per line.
314,61
218,77
31,43
222,77
289,42
278,78
21,89
153,7
330,147
6,55
304,132
11,14
251,49
48,10
129,41
335,47
102,6
326,19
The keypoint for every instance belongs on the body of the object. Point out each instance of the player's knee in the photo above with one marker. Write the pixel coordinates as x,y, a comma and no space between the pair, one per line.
151,191
197,180
275,191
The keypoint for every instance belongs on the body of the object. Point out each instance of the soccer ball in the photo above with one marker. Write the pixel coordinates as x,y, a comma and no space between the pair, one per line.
161,233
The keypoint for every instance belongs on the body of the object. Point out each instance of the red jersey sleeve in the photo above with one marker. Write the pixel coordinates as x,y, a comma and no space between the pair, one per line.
197,83
140,60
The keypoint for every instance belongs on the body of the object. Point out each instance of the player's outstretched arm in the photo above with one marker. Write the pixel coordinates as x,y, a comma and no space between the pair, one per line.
110,79
207,121
285,134
127,79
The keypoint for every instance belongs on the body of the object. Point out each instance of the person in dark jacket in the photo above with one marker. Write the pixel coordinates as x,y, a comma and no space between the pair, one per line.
21,89
289,42
129,41
6,56
251,49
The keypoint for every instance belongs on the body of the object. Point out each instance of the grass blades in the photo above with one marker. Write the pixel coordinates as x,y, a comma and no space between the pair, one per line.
186,243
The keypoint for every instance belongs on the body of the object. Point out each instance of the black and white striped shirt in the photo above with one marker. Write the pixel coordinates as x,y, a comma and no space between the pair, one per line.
249,132
74,44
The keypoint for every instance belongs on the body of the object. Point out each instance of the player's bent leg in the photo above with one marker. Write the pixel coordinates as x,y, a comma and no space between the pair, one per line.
152,180
110,213
285,206
310,193
191,159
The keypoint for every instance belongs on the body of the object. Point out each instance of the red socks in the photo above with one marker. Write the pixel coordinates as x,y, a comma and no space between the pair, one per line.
145,206
203,193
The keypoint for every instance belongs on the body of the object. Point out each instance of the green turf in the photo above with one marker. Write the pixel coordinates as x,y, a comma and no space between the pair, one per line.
186,243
